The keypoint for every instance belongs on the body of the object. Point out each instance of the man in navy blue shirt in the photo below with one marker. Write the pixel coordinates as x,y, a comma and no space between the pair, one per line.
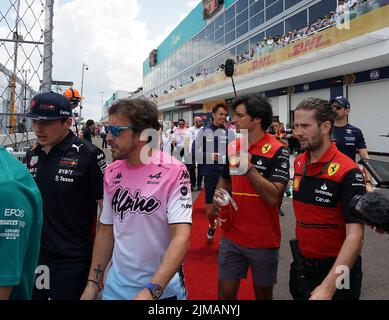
69,173
349,139
211,151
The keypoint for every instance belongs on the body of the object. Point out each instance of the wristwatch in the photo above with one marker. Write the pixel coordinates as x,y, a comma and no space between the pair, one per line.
155,290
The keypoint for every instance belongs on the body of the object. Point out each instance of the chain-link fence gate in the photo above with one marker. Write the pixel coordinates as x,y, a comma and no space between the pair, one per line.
25,64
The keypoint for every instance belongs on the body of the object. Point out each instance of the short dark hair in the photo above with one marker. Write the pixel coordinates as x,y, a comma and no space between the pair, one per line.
142,113
257,106
219,105
181,120
323,110
90,122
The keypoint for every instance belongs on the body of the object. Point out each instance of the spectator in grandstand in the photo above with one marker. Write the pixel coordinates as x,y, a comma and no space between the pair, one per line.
348,138
69,174
20,228
252,237
258,50
147,215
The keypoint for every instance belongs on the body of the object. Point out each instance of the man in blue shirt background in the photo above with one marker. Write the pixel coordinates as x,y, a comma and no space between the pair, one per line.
349,139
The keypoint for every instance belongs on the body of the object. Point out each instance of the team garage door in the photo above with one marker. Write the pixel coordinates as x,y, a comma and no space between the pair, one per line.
298,97
370,112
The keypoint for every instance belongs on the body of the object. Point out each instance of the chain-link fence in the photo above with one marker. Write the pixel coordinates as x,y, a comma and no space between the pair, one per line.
25,64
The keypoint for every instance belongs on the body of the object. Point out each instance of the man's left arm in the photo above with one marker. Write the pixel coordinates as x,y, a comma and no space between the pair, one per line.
362,151
271,189
173,258
179,218
347,256
364,155
352,185
96,168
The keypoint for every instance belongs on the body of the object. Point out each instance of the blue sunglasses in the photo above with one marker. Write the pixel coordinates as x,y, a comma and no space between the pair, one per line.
115,130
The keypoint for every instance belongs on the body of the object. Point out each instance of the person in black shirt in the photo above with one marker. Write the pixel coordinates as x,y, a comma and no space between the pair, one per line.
88,130
69,174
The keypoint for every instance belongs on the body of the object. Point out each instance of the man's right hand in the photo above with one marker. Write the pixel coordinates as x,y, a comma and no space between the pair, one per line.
217,199
91,292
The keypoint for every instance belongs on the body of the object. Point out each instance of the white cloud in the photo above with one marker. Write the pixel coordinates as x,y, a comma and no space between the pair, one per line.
111,38
108,36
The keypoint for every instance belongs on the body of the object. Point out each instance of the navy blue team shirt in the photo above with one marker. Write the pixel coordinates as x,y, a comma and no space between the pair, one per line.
349,140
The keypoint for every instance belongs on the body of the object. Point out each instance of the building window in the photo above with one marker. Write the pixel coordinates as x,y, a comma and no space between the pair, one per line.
256,7
241,5
242,29
230,36
219,27
274,9
298,21
242,17
321,9
291,3
256,39
230,25
229,14
276,30
242,48
270,2
257,20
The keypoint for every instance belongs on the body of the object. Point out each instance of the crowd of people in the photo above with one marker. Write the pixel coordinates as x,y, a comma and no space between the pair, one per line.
345,10
123,229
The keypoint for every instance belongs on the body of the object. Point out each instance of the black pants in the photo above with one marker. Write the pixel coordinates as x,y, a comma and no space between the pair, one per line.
67,280
195,179
104,143
315,272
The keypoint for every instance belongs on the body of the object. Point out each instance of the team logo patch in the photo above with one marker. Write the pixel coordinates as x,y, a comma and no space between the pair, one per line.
266,148
33,161
296,183
333,168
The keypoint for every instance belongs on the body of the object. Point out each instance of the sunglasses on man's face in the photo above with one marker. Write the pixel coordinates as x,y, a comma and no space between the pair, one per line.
337,107
115,130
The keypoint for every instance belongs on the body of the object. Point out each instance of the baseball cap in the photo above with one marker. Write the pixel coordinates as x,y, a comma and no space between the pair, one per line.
49,106
342,101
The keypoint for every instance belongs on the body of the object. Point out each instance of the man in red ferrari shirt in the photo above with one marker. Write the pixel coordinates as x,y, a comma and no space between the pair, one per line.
329,237
252,236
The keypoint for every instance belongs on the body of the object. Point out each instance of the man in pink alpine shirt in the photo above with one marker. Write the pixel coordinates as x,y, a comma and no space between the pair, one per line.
147,214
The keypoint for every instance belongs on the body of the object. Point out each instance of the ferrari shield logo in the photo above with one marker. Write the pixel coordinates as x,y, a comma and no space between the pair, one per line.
266,148
33,161
333,168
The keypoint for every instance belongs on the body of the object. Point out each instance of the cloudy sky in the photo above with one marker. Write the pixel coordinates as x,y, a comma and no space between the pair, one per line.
113,38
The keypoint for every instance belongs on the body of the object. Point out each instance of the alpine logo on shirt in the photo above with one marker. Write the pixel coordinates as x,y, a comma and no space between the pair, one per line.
123,203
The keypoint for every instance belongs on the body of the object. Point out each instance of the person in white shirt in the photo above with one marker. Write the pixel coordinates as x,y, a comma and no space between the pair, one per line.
195,180
178,138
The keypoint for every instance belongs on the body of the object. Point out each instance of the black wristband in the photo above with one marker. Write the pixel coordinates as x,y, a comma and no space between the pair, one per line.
94,281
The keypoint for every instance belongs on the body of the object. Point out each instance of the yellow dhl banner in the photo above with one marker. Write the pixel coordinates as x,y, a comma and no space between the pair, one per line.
363,24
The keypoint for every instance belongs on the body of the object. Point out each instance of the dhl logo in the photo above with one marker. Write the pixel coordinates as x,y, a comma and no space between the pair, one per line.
263,62
309,45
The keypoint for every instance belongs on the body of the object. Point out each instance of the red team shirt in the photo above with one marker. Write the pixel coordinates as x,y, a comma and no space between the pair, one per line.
321,193
256,224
